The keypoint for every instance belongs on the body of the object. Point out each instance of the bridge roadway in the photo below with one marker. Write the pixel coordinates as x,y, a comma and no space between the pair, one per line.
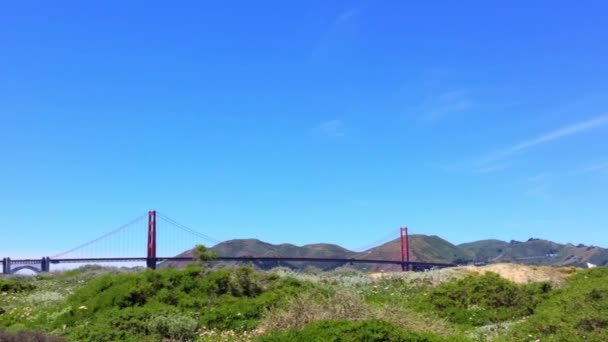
414,264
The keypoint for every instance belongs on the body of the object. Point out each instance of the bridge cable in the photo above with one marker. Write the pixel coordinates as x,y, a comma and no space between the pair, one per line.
187,229
124,226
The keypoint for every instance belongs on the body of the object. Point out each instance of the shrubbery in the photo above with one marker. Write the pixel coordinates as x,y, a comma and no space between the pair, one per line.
350,331
478,300
15,286
578,312
169,303
28,336
238,304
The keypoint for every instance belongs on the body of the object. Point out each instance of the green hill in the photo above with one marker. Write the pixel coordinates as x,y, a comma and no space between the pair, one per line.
254,247
422,248
536,251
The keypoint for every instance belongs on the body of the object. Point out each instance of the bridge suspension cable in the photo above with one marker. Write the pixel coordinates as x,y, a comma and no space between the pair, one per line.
389,236
119,229
187,229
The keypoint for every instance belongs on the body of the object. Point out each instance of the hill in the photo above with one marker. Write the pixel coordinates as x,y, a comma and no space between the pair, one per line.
254,247
422,248
536,251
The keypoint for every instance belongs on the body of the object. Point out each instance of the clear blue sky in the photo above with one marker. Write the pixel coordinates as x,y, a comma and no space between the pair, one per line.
304,121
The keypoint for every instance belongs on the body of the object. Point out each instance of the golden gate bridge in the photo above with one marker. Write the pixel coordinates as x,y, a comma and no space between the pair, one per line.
116,246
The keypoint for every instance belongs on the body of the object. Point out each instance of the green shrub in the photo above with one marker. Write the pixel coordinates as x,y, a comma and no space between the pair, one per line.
173,326
478,300
15,286
578,312
28,336
168,304
347,331
307,308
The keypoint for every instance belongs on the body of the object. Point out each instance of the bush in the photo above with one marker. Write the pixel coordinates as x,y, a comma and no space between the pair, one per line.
345,331
173,326
307,308
28,336
168,304
578,312
478,300
15,286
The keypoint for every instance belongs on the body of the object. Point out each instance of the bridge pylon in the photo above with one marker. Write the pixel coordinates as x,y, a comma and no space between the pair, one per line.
6,266
45,264
405,249
151,248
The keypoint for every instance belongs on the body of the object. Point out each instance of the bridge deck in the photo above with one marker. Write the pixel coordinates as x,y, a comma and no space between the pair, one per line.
43,264
241,258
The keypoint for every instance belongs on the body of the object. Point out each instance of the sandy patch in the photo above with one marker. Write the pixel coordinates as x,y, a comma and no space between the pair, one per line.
521,274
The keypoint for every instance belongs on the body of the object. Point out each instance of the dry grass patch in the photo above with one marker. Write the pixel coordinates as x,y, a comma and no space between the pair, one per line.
348,305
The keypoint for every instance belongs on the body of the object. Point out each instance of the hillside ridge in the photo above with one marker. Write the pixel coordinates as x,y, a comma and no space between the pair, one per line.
428,248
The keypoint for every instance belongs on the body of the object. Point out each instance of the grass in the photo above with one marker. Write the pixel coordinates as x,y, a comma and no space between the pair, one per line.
577,312
478,300
243,304
350,331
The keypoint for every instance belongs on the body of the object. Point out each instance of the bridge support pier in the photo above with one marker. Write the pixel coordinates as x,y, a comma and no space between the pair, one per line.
45,264
6,266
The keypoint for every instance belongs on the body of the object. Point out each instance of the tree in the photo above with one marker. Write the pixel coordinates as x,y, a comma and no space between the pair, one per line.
204,254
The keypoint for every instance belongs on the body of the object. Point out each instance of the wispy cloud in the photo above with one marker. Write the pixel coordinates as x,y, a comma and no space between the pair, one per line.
538,186
557,134
341,26
491,168
538,191
346,15
332,128
538,178
597,167
438,106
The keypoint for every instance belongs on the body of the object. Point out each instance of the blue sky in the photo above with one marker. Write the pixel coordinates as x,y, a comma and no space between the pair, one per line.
304,121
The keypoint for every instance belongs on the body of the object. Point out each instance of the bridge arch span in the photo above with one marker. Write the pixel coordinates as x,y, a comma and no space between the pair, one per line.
26,267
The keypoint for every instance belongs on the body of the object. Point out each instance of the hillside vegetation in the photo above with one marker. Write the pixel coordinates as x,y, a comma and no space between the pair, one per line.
245,304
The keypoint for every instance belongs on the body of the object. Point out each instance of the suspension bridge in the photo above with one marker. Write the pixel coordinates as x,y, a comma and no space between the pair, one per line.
123,245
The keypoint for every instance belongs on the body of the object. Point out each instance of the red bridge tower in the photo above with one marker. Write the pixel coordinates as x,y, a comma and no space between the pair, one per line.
151,256
405,250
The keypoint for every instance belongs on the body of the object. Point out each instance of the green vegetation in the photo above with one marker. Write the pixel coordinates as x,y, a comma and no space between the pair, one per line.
13,286
204,254
578,312
28,336
480,300
169,304
244,304
345,331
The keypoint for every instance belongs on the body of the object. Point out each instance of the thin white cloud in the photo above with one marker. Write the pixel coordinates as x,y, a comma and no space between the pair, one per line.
560,133
598,167
492,168
346,15
563,132
332,128
341,26
538,186
438,106
539,192
538,178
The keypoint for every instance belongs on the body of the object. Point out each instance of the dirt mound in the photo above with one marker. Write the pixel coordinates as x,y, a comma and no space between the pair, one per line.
521,274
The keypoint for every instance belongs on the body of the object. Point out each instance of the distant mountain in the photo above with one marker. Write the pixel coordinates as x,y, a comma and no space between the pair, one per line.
536,251
422,248
254,247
